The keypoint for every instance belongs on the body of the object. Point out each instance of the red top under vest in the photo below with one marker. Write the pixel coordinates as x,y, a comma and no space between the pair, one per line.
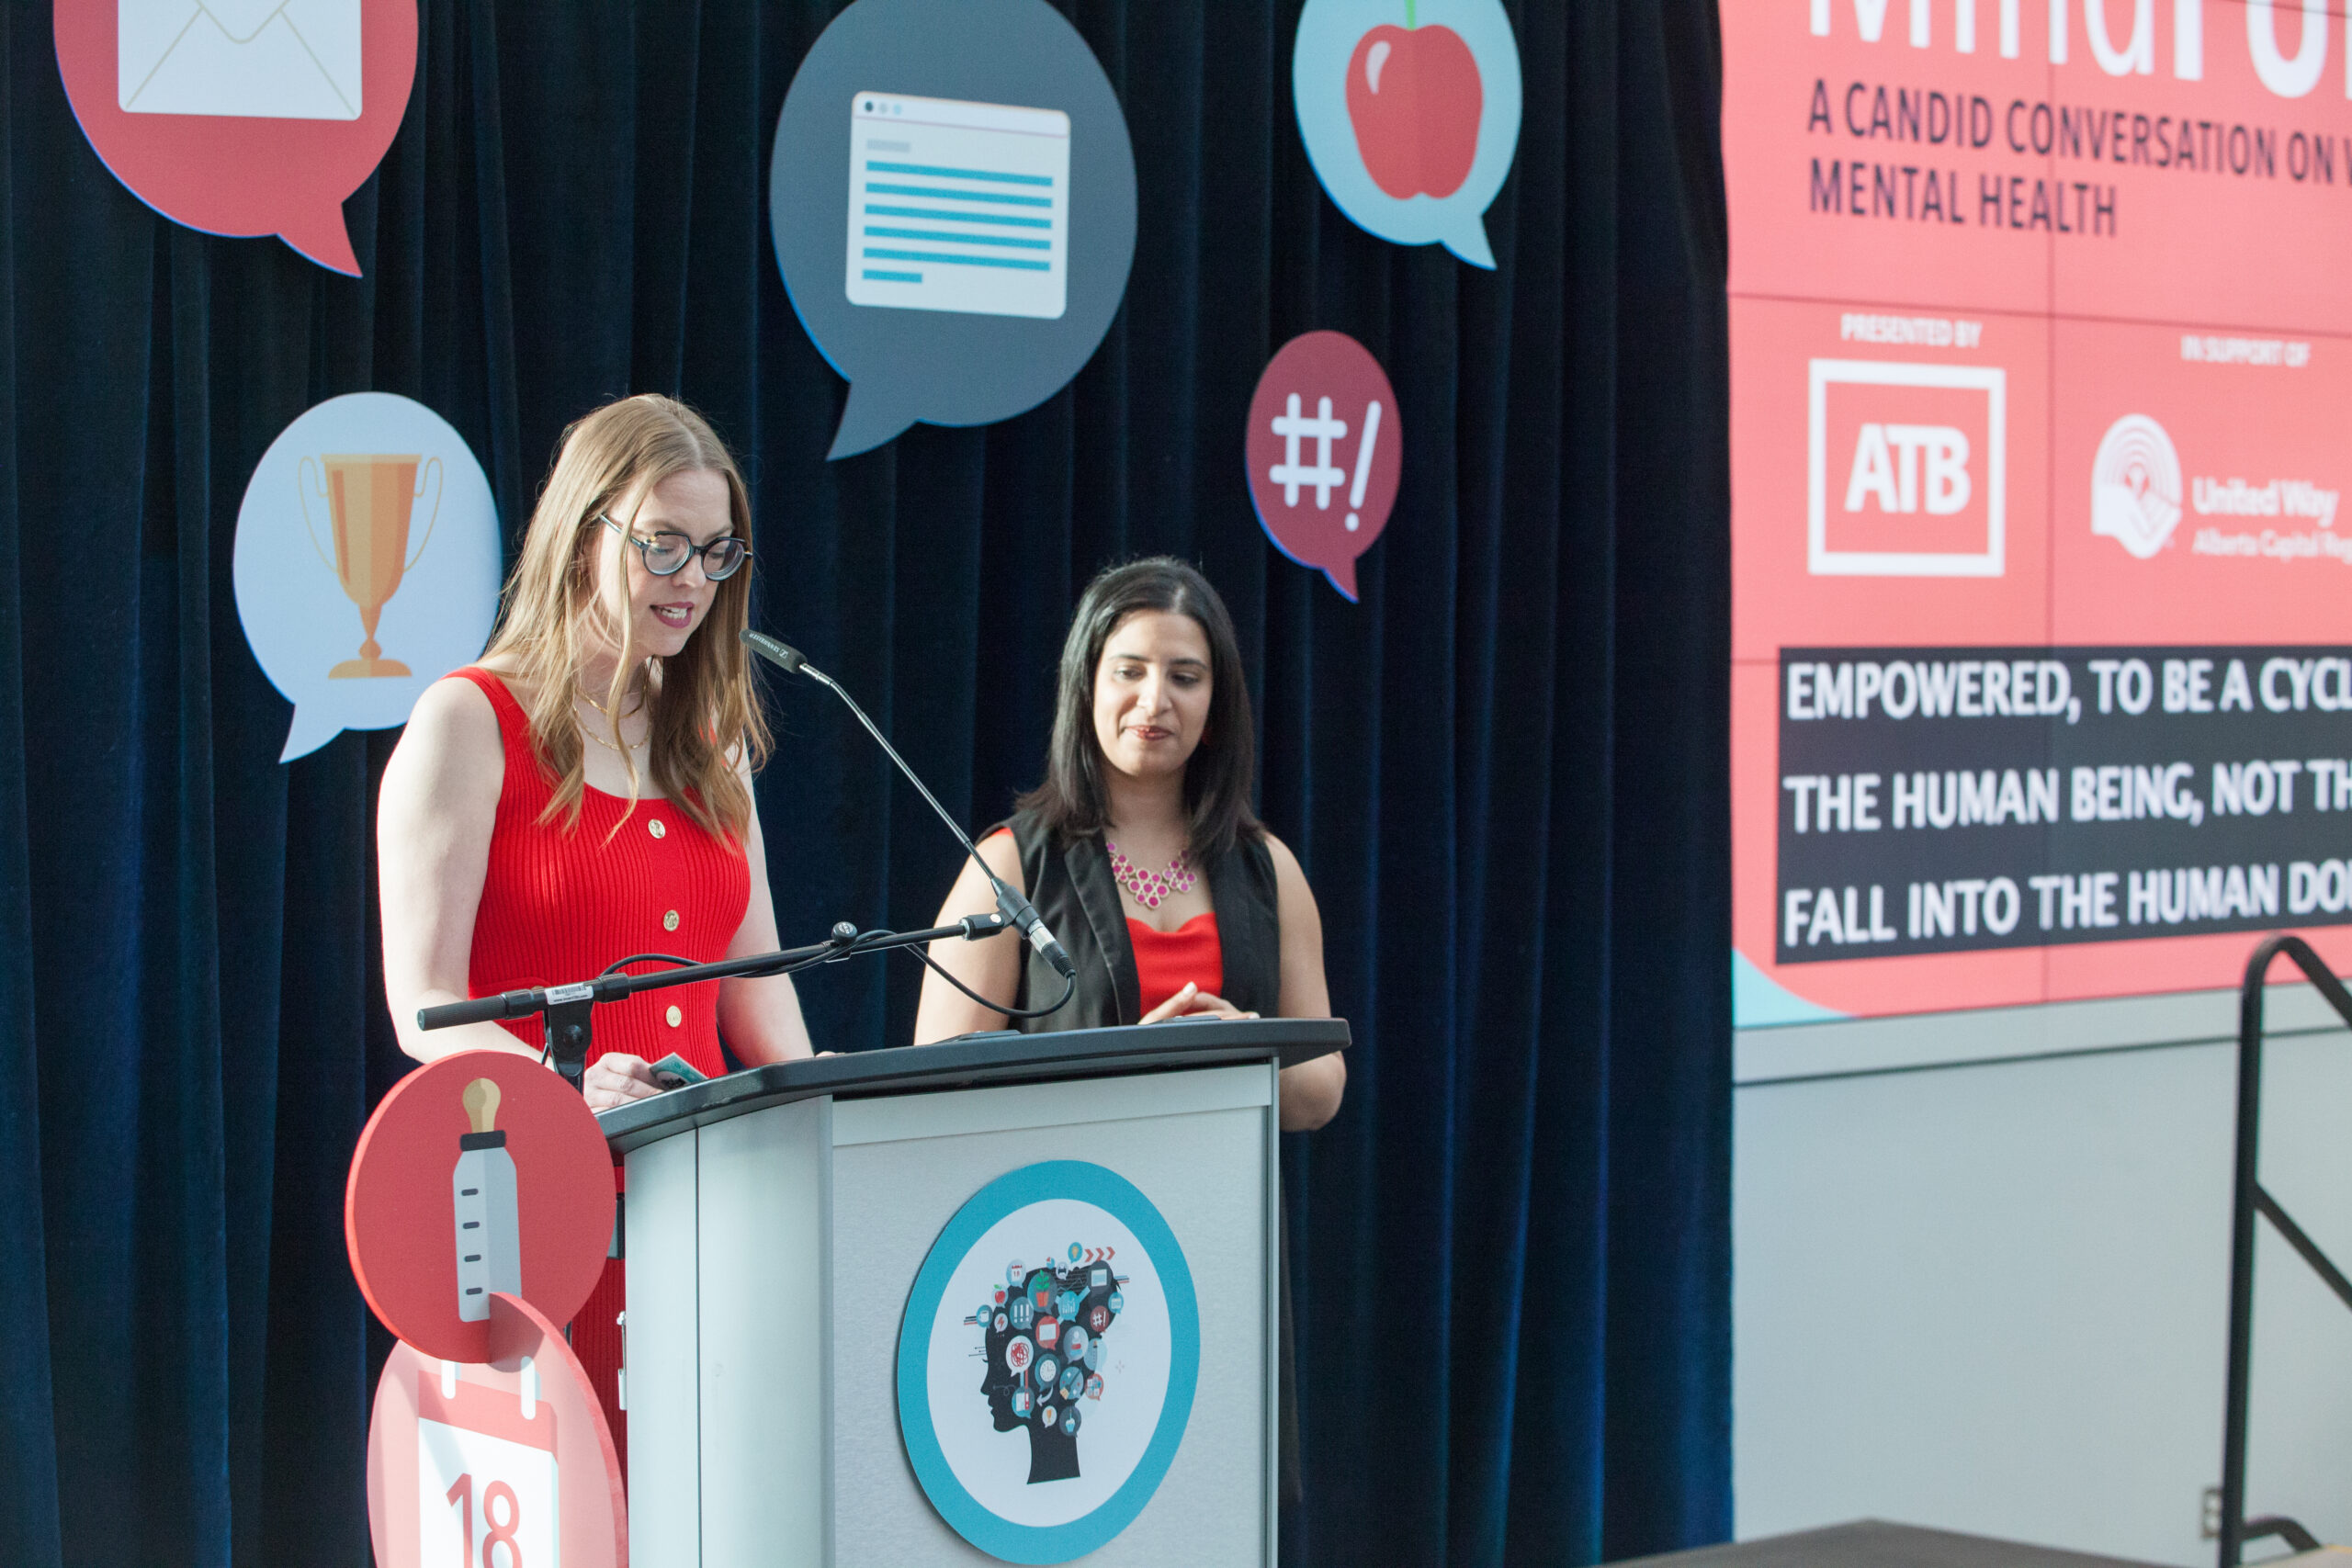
1165,960
560,903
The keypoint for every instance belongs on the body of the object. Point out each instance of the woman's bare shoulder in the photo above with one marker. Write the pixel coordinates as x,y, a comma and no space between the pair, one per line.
1291,892
1285,863
518,684
1002,856
454,730
454,708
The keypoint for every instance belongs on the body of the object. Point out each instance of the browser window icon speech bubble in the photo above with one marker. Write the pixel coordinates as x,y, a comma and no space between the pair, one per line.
958,206
958,241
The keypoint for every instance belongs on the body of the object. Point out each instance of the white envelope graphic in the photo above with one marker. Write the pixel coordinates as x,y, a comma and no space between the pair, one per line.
255,59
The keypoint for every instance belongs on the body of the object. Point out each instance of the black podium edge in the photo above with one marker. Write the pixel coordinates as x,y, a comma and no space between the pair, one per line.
974,1061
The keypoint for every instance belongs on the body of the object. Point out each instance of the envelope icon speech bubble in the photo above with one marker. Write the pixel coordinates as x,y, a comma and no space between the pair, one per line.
257,59
242,116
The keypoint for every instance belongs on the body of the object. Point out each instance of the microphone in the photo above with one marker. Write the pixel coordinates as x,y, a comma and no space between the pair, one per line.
1016,909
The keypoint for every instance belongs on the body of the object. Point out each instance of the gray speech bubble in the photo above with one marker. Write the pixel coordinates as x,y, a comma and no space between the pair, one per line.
1009,279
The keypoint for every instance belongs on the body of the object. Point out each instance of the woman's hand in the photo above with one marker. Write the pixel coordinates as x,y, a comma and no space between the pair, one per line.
1193,1002
616,1079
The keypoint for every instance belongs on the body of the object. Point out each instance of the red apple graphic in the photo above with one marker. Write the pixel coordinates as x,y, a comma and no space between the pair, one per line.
1414,98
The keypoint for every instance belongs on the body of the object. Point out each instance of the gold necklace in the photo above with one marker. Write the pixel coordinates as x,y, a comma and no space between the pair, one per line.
636,707
582,692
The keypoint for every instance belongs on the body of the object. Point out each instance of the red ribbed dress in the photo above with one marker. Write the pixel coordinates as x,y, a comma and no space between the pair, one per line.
560,903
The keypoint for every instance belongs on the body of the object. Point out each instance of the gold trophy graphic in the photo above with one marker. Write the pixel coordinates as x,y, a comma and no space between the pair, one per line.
370,499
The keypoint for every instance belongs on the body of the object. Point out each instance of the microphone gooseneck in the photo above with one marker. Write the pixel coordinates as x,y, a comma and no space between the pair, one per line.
1016,909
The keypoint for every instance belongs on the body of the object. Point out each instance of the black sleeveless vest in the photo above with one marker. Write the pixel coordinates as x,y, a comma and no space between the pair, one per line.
1076,895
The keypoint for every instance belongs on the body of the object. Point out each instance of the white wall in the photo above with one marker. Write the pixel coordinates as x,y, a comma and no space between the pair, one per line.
1993,1295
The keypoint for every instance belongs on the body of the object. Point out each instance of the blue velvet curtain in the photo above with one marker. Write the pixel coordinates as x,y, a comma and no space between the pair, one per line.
1505,769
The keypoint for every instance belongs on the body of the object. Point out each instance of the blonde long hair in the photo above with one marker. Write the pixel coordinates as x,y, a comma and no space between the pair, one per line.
703,713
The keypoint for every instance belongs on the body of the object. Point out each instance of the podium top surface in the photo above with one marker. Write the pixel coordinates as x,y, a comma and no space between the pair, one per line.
973,1061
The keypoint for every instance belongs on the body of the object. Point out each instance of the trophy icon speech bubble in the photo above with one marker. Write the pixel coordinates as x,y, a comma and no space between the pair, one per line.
370,460
370,499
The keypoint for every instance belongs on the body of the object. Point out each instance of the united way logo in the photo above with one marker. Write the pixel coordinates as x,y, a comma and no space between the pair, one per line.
1047,1361
2135,485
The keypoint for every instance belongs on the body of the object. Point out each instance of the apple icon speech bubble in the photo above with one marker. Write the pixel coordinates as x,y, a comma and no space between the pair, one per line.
1414,99
1409,111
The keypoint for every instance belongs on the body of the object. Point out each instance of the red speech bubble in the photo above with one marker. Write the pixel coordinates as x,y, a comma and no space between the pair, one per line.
1326,450
513,1452
242,116
479,1173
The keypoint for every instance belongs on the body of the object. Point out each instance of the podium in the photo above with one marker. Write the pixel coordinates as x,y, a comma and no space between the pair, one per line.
1010,1297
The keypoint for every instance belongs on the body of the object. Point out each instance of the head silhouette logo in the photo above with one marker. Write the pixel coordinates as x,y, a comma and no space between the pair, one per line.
953,199
367,562
242,116
2135,485
1039,1440
1051,1367
1410,110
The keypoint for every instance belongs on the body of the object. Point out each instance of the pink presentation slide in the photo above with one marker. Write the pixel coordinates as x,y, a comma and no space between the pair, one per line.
2043,601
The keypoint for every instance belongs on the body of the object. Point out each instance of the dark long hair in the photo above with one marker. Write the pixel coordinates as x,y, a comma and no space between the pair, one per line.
1222,771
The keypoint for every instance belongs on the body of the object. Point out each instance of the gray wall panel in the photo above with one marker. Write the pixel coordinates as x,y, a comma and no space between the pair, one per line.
1993,1298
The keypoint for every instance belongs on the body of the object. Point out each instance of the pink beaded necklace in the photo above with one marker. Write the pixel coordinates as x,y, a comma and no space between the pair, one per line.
1150,888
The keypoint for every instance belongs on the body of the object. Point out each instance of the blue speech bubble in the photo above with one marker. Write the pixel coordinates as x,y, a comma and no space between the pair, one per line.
1409,111
365,563
953,200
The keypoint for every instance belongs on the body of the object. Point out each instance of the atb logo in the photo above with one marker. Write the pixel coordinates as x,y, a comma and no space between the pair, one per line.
2135,485
1908,467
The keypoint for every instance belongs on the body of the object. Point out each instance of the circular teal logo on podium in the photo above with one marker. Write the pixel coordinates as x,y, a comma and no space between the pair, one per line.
1047,1361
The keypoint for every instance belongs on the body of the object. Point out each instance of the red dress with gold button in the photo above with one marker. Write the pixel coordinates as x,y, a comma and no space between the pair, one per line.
560,903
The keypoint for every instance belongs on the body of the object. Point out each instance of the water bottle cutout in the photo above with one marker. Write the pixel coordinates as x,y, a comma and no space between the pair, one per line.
489,1240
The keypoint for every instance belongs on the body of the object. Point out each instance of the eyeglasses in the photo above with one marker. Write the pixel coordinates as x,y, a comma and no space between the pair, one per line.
666,554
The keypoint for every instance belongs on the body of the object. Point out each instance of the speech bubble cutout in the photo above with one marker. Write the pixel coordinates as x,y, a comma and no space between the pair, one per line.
364,499
242,116
1409,111
953,199
523,1422
416,1181
1326,451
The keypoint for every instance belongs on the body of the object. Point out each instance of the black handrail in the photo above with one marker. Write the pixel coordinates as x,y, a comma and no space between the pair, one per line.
2248,1198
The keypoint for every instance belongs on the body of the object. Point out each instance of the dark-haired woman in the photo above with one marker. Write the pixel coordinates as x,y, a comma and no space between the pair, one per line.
1140,849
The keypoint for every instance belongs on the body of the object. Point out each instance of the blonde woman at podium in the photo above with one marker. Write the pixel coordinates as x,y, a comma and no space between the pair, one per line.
1140,850
583,792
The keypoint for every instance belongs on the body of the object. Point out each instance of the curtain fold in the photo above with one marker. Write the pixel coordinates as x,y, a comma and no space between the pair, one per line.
1505,769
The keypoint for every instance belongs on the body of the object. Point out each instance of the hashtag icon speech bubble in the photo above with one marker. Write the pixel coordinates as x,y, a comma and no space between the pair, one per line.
1324,482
